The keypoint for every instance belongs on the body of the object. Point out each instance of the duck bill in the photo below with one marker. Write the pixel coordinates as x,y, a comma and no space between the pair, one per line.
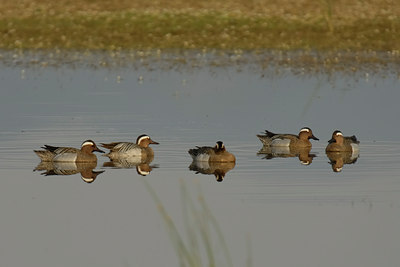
331,141
313,137
98,150
154,142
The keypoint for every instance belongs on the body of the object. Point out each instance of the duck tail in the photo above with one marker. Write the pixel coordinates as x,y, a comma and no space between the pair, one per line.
269,134
44,155
354,139
193,152
265,140
50,148
108,146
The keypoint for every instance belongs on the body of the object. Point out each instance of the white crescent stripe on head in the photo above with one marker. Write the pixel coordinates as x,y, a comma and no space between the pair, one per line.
87,180
87,143
142,172
339,133
305,130
142,138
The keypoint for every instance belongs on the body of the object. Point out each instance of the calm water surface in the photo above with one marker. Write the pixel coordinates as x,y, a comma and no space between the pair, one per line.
276,211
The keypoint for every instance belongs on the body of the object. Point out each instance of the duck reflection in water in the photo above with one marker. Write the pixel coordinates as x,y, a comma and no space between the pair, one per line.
303,153
142,165
86,169
339,159
219,169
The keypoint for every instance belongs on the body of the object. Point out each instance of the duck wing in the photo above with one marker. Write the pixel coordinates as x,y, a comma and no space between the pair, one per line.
354,139
269,134
200,150
121,147
60,150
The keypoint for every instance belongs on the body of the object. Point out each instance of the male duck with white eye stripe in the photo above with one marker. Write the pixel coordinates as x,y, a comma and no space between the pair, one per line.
339,143
217,153
291,140
69,154
141,148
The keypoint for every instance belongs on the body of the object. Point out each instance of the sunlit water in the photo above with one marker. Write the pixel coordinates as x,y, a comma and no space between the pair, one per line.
277,212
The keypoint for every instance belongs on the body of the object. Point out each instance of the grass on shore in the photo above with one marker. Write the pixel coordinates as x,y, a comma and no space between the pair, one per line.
324,25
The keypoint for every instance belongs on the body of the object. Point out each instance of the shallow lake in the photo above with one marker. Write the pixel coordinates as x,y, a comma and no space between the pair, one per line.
271,211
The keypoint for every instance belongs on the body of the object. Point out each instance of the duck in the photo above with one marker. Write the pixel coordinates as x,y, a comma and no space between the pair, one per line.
218,153
291,140
121,150
340,143
69,154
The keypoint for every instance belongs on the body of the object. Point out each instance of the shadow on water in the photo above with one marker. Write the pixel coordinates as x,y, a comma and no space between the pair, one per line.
339,159
303,154
142,165
86,170
218,169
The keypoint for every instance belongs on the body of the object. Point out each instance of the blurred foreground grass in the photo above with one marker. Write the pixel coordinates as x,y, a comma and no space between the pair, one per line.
205,243
319,25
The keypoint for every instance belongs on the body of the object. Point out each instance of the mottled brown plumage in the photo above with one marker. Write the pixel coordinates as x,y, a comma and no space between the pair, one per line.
217,153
